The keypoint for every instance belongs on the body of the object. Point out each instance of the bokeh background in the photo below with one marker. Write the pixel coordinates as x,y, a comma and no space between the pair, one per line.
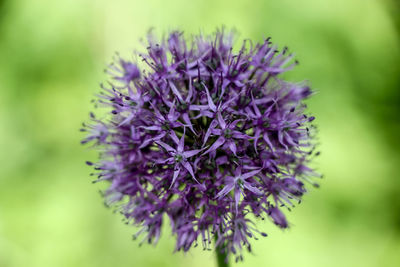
52,56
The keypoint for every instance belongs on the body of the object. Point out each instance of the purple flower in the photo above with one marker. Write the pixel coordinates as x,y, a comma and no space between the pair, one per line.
127,73
178,157
238,183
207,136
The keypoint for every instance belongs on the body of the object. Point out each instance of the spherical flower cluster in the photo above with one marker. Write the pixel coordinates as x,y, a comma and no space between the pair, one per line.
210,137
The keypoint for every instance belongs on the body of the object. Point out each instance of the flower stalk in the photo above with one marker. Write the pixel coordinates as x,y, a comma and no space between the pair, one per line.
222,258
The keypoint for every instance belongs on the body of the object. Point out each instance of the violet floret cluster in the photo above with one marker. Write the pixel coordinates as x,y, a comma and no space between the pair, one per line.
209,137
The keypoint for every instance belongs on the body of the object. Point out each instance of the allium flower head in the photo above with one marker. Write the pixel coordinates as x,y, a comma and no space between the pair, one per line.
209,136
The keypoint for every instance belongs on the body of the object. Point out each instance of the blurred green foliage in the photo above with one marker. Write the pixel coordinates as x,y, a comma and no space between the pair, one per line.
52,59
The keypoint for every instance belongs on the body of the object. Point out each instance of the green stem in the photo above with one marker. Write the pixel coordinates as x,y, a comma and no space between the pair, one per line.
221,257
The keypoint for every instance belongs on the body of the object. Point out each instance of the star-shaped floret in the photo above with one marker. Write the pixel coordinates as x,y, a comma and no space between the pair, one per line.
178,156
238,183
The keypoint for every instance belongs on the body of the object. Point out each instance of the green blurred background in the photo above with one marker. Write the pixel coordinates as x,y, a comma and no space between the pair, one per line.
52,56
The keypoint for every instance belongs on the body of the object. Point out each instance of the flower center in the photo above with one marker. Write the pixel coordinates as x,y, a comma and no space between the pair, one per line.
228,133
165,126
182,107
178,157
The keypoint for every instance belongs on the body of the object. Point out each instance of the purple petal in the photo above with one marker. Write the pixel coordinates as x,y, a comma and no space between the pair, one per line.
172,116
175,91
127,119
237,197
221,160
148,141
278,217
256,136
228,188
280,138
189,168
173,136
216,131
266,139
232,147
211,104
220,141
221,120
198,107
252,188
181,144
186,119
157,113
151,128
232,125
176,173
238,172
210,128
163,161
227,103
250,174
190,92
289,139
256,110
239,135
191,153
165,146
